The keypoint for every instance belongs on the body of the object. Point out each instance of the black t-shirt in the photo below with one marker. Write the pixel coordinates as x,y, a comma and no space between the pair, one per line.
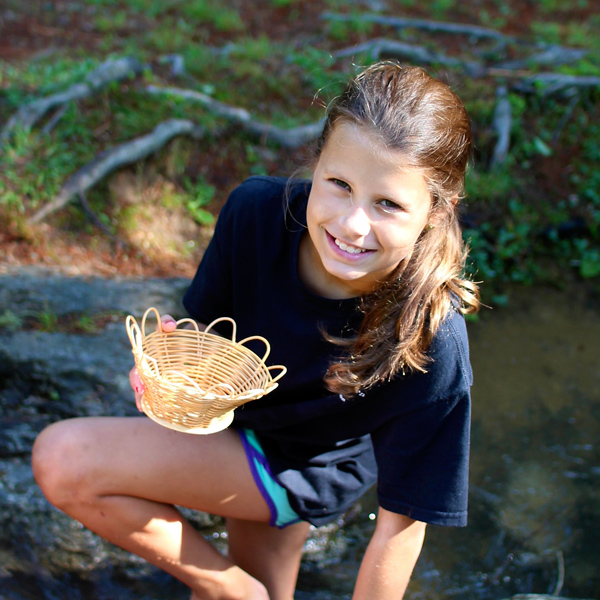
410,435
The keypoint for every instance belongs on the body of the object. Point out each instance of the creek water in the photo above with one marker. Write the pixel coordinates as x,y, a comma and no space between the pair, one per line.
534,519
534,524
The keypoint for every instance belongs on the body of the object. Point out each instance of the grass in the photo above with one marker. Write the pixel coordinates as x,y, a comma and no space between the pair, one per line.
536,218
48,321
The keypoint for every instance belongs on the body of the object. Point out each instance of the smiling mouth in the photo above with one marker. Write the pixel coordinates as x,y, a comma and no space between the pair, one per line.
348,248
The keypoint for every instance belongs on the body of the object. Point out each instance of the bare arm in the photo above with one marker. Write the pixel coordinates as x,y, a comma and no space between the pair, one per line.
390,557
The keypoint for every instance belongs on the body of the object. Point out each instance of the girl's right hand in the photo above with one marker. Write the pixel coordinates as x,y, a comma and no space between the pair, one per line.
168,324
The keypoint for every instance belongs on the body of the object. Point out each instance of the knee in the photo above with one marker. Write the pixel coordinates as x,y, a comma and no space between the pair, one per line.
56,460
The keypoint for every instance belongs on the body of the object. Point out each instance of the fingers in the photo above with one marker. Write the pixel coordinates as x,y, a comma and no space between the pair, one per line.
137,386
168,323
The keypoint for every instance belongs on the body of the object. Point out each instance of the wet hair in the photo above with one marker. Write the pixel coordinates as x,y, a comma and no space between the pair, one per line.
427,124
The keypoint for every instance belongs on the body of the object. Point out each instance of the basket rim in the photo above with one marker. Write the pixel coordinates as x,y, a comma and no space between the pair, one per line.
140,339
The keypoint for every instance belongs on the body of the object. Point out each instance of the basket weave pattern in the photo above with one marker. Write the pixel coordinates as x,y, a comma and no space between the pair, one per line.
195,379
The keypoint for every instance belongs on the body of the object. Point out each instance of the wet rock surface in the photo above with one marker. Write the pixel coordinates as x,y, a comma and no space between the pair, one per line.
50,371
51,375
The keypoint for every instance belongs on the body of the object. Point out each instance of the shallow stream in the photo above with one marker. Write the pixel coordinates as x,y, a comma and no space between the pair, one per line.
534,523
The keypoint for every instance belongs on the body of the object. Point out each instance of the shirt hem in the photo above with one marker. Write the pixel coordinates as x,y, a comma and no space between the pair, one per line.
432,517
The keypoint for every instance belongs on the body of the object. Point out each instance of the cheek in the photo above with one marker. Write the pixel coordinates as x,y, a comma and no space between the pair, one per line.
317,212
400,243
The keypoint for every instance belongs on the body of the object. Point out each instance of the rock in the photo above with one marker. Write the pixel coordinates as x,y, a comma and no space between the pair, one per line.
51,375
48,376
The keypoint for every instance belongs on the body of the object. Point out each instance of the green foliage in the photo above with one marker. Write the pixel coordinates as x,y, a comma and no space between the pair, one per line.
213,13
316,65
10,320
549,32
440,7
199,195
47,321
551,7
519,230
355,24
31,80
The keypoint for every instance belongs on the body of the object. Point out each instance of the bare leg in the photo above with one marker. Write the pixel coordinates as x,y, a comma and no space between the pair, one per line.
270,554
120,477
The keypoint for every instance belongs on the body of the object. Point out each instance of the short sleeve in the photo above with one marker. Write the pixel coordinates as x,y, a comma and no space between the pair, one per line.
423,462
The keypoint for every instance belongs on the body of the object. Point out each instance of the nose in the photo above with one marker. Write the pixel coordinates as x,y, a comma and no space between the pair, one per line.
356,221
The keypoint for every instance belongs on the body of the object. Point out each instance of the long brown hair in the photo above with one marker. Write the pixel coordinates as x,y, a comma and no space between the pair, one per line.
424,120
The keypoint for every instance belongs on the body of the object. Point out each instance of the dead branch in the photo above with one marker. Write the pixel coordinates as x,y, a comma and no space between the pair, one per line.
113,158
382,47
289,138
399,23
230,113
29,114
551,83
553,55
502,124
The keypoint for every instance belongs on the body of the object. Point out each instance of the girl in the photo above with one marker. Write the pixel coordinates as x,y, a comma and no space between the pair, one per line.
355,279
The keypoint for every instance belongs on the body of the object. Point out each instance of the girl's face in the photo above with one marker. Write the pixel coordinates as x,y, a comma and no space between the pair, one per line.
365,213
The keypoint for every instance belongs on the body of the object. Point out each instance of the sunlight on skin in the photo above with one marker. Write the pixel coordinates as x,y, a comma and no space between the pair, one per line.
226,500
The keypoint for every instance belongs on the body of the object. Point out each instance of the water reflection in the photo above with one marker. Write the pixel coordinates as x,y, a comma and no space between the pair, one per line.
535,472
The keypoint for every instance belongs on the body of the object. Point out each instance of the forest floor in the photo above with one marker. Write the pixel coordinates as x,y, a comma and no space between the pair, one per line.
38,31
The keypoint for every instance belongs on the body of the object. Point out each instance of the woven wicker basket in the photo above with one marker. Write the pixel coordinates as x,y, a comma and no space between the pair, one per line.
195,379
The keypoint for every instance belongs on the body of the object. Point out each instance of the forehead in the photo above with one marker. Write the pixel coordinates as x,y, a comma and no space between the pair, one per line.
359,155
350,138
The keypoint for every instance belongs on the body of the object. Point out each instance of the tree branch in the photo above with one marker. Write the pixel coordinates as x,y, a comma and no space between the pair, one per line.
433,26
28,115
289,138
382,47
553,55
112,159
551,83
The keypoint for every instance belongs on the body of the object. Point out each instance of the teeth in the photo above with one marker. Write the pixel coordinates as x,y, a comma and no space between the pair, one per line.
349,249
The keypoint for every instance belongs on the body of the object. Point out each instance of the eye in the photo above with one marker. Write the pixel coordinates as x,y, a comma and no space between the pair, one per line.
389,205
341,184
